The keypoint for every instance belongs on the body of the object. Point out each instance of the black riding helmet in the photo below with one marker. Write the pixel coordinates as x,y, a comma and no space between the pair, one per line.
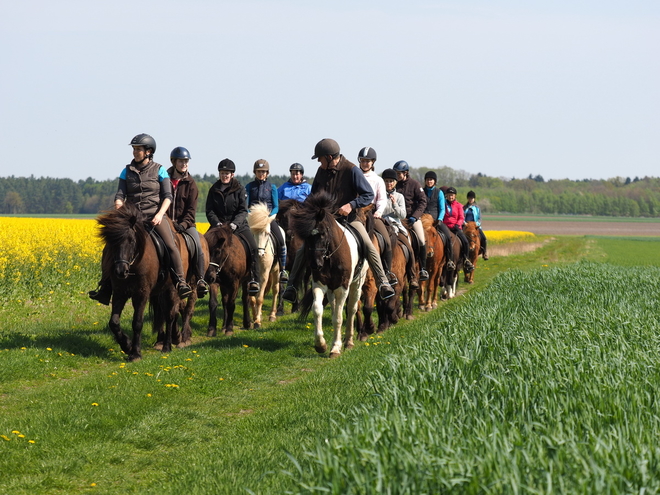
388,173
367,153
145,140
431,175
297,166
227,164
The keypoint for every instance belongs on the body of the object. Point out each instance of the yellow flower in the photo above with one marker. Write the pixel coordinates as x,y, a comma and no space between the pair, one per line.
30,441
5,437
16,432
94,404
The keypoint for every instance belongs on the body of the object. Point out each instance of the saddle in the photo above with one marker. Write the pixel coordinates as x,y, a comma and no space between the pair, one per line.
443,236
362,248
164,261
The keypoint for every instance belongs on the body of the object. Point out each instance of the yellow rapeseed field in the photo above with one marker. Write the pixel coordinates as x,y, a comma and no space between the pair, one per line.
38,253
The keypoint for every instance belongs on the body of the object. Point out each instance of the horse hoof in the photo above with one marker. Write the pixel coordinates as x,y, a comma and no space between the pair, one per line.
434,306
256,326
280,313
335,355
229,333
348,347
212,332
410,317
363,337
158,346
133,359
272,318
321,348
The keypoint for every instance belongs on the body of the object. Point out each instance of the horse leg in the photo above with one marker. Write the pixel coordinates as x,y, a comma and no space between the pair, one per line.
275,287
139,304
249,306
213,307
338,320
118,303
229,305
317,310
280,301
186,317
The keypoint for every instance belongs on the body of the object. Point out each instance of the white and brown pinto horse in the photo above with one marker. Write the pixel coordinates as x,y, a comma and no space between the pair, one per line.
259,219
331,252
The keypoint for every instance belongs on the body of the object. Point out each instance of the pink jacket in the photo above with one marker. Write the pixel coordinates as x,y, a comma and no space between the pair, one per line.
454,216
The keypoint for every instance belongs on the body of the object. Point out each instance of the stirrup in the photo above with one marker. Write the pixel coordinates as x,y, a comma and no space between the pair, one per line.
386,291
414,284
392,278
423,275
485,256
451,265
183,289
253,287
100,295
202,288
290,294
468,266
284,276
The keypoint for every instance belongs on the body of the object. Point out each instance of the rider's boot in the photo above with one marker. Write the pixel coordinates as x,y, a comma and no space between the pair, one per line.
103,292
284,275
253,286
182,287
386,259
423,274
202,287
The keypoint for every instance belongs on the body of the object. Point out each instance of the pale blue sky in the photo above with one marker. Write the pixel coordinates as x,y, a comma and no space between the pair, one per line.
564,89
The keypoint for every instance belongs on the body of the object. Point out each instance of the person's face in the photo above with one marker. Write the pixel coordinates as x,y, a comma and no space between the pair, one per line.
366,164
324,161
261,174
296,177
451,197
400,175
226,176
470,201
181,165
390,184
139,153
430,182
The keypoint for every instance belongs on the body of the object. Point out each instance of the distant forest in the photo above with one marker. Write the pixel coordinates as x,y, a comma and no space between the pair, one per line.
612,197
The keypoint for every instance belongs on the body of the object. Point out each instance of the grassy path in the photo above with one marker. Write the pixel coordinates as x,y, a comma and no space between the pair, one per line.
216,417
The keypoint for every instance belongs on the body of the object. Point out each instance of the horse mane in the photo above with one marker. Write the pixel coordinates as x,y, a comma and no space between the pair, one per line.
427,221
218,233
119,225
316,209
259,217
285,207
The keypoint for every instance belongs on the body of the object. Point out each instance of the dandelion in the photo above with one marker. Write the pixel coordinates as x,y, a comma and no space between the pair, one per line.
31,441
148,395
21,436
48,349
16,432
245,345
5,437
95,404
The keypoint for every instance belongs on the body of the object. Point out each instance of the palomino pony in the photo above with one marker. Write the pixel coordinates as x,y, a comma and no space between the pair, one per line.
259,219
228,269
338,272
135,275
471,231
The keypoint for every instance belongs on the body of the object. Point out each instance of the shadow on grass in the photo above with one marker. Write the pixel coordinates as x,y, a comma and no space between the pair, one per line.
78,342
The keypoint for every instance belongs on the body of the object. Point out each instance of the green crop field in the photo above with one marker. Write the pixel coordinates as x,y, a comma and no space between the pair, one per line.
540,378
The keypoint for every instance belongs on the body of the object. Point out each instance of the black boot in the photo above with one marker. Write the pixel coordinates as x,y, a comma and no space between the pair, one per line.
253,286
103,292
387,266
182,287
423,274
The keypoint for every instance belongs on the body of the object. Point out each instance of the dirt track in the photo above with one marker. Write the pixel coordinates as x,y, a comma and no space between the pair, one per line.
575,228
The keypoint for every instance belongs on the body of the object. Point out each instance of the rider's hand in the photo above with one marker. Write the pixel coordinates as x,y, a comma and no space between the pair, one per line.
377,214
411,220
233,226
345,210
158,217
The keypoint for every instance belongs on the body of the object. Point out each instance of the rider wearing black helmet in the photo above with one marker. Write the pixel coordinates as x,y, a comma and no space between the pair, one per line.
296,187
183,209
454,219
225,204
436,207
415,205
347,184
146,184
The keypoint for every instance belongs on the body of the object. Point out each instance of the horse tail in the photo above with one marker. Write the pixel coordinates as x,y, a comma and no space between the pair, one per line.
306,305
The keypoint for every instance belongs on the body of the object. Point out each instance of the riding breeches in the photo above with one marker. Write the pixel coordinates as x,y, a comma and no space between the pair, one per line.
465,247
449,249
373,257
418,227
165,232
381,228
192,231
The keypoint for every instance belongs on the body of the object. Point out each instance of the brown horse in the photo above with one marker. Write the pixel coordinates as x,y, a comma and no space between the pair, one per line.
293,243
228,270
131,259
331,252
471,231
450,276
435,262
183,338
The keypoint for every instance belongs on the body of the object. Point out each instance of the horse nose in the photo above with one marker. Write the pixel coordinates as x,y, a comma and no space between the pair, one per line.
122,270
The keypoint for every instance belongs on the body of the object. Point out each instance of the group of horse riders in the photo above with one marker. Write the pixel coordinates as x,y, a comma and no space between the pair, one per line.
157,192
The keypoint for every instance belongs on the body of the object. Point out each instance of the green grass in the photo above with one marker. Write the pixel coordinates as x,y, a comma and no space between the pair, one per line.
567,218
243,405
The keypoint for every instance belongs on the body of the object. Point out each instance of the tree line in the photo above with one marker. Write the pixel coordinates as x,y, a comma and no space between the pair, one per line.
609,197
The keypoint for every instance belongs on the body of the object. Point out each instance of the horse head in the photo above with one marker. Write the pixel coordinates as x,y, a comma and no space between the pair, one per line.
124,233
259,220
313,222
219,239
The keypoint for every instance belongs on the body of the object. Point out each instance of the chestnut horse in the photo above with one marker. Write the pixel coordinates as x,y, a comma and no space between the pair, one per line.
135,275
229,270
450,276
435,262
338,272
471,231
259,219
